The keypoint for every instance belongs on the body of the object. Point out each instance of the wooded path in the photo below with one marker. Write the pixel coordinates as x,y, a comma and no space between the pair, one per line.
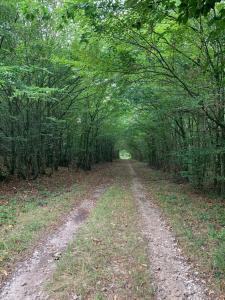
172,276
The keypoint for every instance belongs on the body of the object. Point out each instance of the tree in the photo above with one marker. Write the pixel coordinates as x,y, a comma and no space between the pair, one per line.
175,53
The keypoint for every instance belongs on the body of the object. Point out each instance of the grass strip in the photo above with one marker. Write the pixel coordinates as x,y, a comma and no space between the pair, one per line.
108,259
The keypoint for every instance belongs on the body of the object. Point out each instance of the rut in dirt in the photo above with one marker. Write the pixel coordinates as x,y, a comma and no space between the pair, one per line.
173,277
30,276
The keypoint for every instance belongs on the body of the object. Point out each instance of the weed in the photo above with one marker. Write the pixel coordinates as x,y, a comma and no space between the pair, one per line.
7,215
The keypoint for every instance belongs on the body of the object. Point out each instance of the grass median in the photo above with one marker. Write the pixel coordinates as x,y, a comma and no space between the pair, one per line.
108,259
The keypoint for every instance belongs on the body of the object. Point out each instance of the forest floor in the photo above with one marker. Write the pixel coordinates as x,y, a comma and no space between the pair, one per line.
121,231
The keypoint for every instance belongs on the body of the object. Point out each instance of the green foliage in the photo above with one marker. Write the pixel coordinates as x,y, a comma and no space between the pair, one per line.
168,59
51,112
81,80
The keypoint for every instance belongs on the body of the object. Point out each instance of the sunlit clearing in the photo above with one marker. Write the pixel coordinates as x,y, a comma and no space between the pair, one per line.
124,154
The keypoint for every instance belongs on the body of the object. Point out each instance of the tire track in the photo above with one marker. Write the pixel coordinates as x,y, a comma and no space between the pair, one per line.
30,275
173,276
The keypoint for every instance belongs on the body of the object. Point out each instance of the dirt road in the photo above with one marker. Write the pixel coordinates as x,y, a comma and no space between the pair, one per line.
172,276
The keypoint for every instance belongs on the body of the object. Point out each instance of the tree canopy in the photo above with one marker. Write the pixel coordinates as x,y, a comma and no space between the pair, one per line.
81,80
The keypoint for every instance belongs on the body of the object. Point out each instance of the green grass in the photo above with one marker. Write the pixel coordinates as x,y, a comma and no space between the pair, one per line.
24,222
197,221
108,259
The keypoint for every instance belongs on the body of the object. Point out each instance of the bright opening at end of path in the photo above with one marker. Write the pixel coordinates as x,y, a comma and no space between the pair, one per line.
124,154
